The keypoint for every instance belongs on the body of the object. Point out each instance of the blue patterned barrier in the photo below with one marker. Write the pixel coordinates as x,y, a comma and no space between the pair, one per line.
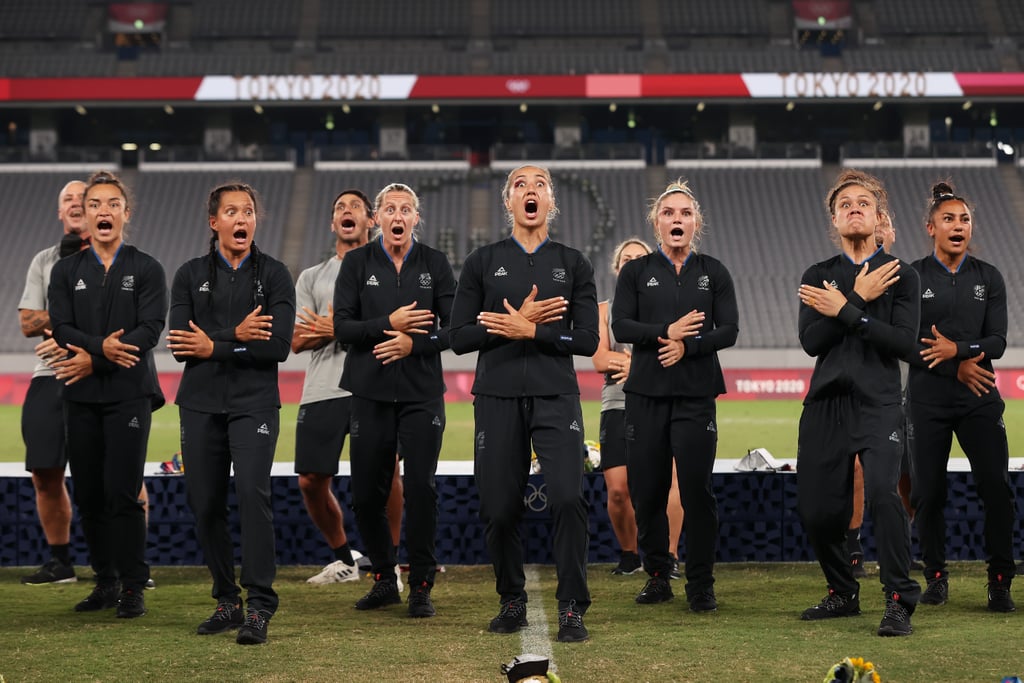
759,522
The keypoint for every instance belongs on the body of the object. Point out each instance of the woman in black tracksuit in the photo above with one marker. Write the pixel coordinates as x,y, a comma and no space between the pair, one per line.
392,306
952,391
527,305
107,306
231,322
858,317
678,309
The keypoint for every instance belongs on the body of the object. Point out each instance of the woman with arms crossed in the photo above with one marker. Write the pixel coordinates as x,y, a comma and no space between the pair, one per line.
108,304
392,306
953,391
613,359
678,309
231,323
527,305
858,316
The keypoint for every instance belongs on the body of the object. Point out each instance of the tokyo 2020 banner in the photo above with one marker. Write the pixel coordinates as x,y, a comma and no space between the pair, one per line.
391,87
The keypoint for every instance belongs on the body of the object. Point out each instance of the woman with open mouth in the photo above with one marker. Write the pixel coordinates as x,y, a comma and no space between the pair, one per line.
392,306
953,391
527,305
108,304
231,322
613,359
678,308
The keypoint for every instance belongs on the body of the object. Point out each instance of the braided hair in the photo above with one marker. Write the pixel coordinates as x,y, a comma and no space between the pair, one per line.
212,207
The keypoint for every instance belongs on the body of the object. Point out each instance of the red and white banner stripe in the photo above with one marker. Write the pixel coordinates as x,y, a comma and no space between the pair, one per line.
355,87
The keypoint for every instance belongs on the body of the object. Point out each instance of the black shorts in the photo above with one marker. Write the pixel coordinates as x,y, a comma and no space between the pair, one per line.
613,439
320,432
42,425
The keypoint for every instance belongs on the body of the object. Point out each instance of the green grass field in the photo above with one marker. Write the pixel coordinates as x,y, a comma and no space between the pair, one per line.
317,635
742,425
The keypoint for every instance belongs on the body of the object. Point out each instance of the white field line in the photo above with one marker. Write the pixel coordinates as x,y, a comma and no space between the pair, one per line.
535,639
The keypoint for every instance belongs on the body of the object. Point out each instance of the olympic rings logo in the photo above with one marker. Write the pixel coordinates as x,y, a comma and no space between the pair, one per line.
536,498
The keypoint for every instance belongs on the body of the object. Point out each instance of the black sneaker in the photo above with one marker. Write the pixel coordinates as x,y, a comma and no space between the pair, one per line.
53,571
383,593
254,630
896,620
420,605
857,563
103,596
674,573
999,599
937,591
226,617
131,604
657,589
570,625
833,606
511,617
629,563
150,584
703,601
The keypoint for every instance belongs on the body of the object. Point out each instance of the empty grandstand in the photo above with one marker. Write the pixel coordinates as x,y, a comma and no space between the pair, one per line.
883,76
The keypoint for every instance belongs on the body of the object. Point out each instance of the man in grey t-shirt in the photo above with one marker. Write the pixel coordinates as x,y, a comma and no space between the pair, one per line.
323,417
42,417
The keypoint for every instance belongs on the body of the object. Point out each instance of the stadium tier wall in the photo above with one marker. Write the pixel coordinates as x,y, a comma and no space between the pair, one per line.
766,224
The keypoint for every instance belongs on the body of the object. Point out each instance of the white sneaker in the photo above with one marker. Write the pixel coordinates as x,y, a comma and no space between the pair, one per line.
338,572
398,577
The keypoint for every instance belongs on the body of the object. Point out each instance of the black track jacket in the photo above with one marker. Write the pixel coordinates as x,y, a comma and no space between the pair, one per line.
649,297
858,351
367,291
238,376
542,366
87,303
968,306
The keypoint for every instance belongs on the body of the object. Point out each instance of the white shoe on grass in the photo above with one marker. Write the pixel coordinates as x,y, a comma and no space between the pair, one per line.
338,571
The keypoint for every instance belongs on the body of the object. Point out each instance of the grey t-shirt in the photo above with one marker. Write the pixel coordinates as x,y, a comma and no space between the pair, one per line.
37,282
612,395
315,290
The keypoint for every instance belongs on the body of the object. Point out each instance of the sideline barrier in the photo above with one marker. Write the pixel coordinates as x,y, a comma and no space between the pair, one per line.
757,512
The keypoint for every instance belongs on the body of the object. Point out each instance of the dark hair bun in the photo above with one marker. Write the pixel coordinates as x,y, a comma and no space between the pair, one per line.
102,177
942,190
